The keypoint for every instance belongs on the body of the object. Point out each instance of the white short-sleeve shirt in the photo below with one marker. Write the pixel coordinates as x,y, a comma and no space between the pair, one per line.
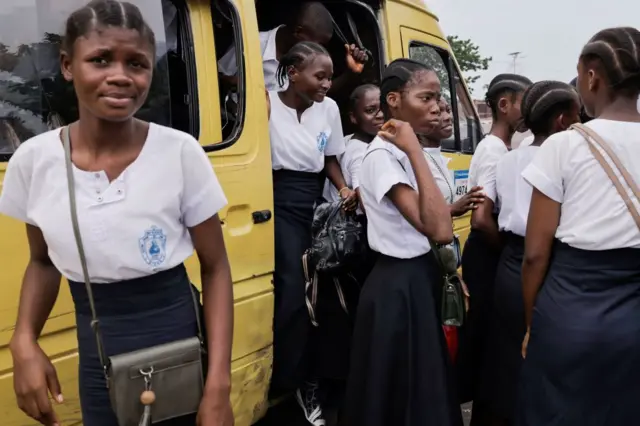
388,232
301,145
350,163
438,164
593,214
227,65
514,193
482,171
131,227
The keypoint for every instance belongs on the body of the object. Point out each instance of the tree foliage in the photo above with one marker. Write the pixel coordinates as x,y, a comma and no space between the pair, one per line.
469,59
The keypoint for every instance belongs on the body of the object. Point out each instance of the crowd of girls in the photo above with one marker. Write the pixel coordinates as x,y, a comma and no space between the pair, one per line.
551,262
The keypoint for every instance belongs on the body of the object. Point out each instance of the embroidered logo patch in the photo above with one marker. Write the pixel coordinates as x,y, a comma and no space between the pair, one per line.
322,141
153,246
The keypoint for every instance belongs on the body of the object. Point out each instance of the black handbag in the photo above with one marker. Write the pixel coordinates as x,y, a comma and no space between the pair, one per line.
338,242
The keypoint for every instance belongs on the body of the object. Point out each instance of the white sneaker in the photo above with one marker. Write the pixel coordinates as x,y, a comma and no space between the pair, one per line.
308,400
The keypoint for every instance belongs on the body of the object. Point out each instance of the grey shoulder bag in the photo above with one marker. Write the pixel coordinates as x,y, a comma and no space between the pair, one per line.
153,384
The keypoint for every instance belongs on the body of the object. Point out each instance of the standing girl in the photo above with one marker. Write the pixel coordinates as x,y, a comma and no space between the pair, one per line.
581,275
482,249
146,197
306,136
548,107
400,370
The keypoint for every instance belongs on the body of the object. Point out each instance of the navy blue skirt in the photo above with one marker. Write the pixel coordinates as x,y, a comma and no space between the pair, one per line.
294,196
503,351
134,314
400,372
583,359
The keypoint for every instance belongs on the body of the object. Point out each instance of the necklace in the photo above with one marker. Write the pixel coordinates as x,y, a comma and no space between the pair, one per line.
444,176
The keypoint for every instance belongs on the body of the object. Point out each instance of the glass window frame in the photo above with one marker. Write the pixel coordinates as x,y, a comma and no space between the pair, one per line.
242,80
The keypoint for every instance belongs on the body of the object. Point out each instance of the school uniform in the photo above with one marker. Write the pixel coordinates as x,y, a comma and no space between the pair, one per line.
479,263
227,65
350,162
503,358
582,359
298,150
136,238
400,369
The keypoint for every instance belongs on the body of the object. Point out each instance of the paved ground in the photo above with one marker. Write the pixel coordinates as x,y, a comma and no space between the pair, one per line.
289,414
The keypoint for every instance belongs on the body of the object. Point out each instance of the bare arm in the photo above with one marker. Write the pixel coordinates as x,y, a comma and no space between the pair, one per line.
543,221
334,172
482,220
217,295
426,209
40,287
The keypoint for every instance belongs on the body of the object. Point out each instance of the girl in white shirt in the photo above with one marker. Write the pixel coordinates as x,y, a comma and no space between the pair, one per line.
400,369
581,269
146,198
548,107
306,138
482,248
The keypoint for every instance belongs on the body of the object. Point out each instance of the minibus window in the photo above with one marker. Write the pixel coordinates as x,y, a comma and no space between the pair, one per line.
468,124
34,97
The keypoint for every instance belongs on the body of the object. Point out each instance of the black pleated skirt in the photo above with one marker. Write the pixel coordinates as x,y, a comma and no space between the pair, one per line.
294,196
503,356
583,359
400,368
134,314
479,263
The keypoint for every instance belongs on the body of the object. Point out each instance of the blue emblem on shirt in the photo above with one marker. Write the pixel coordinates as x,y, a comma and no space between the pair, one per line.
322,141
153,246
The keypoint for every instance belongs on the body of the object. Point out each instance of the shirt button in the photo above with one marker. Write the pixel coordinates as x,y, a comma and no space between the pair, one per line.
98,191
99,199
97,175
119,191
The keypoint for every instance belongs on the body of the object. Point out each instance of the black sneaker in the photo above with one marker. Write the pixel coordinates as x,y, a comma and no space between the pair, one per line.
307,397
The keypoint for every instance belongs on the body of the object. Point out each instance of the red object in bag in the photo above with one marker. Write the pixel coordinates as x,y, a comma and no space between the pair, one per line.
451,335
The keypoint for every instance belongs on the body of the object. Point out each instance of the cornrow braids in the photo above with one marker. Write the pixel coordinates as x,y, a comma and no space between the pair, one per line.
396,76
544,101
105,13
358,93
504,84
618,51
296,57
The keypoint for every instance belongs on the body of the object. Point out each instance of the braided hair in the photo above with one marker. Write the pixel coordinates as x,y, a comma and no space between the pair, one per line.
396,77
105,13
296,57
544,101
504,84
358,93
618,52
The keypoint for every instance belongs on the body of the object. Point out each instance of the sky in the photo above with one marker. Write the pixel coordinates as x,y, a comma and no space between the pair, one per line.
549,33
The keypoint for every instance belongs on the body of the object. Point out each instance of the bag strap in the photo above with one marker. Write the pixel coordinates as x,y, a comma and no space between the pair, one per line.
95,322
595,141
434,247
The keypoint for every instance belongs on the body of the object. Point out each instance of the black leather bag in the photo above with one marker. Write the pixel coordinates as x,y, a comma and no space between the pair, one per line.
339,241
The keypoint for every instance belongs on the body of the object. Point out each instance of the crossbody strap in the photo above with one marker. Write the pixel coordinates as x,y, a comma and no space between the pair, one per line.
95,323
434,247
595,141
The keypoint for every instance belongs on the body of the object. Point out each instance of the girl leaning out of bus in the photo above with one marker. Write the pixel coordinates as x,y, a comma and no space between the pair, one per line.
581,269
432,147
146,197
400,370
548,107
306,136
482,248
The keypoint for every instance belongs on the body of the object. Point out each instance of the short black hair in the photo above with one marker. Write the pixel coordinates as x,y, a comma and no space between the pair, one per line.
618,51
504,84
105,13
358,93
544,101
314,16
296,56
396,77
